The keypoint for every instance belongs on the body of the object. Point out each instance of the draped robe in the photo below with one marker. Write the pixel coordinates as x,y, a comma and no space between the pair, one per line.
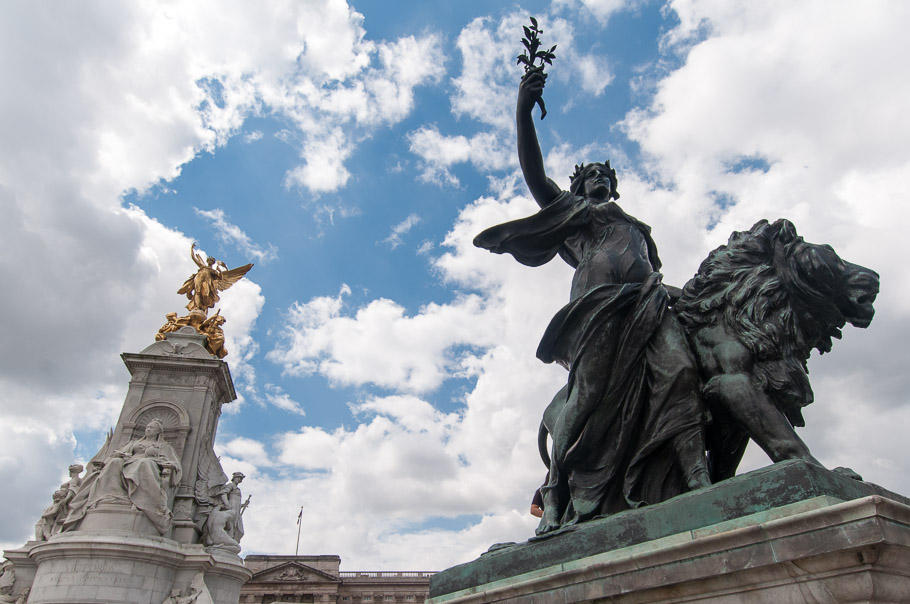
633,387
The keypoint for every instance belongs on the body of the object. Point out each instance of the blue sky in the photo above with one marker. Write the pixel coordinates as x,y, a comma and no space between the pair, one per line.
385,367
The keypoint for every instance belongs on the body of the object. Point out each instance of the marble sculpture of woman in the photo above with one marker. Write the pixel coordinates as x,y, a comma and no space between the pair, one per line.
140,474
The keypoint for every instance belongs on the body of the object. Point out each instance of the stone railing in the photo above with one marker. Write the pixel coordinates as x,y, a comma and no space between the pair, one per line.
387,574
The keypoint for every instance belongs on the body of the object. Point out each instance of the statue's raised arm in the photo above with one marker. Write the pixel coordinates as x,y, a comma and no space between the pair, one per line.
196,257
530,91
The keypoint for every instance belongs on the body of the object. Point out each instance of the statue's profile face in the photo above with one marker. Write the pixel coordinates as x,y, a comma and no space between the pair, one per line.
153,429
597,183
210,261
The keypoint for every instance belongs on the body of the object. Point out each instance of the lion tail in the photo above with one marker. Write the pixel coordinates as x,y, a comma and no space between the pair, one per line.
542,433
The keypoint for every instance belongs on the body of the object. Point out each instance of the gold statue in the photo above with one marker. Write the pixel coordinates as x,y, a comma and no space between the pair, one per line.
202,288
168,327
211,328
202,291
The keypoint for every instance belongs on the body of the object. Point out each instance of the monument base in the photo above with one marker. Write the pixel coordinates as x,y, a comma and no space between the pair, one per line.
818,549
88,568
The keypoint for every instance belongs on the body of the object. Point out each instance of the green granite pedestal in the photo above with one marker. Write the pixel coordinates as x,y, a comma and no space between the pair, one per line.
790,533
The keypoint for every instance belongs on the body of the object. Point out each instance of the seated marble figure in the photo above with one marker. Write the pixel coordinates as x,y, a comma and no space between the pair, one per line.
141,474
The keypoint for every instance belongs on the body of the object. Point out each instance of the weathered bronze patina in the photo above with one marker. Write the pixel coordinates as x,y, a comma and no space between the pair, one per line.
652,376
628,429
754,311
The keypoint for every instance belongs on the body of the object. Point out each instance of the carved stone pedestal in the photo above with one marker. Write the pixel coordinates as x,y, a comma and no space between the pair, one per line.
814,549
114,552
81,567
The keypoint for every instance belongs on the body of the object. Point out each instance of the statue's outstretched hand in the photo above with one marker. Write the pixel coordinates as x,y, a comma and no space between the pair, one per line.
530,91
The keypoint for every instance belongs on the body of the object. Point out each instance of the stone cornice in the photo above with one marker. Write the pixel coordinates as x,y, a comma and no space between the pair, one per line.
176,364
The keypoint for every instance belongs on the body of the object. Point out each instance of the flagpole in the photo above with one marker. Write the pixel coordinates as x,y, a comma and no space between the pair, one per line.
299,524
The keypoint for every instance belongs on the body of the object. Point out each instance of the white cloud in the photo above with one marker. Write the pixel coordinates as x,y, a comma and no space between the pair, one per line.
231,234
401,229
485,88
379,344
405,458
276,396
486,151
324,154
332,114
595,74
251,137
248,450
406,63
33,462
602,10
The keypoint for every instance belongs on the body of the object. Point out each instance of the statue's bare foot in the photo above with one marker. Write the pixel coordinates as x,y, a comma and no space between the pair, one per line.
849,473
546,527
548,524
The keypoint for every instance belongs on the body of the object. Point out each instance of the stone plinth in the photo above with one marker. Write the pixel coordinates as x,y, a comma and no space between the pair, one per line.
82,567
750,539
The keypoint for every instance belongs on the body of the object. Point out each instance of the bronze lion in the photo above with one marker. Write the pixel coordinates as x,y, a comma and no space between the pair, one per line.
753,312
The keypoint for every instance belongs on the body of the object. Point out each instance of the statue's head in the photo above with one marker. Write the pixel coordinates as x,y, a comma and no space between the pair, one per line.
76,468
154,428
171,317
210,261
596,180
237,477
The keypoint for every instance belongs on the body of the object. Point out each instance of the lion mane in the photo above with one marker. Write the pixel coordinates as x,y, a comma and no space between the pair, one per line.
754,285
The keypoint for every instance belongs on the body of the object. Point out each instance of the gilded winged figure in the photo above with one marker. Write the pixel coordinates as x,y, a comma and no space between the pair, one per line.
202,288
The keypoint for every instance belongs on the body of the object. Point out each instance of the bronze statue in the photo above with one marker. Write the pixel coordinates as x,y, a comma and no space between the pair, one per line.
754,311
203,287
628,429
659,375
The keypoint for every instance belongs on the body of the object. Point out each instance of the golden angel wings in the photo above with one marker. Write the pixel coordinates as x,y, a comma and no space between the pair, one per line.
202,288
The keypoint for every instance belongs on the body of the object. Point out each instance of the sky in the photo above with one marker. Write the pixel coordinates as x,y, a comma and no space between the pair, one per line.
385,367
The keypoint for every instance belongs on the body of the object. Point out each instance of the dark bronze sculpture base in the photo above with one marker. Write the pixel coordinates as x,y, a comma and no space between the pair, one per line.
761,494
